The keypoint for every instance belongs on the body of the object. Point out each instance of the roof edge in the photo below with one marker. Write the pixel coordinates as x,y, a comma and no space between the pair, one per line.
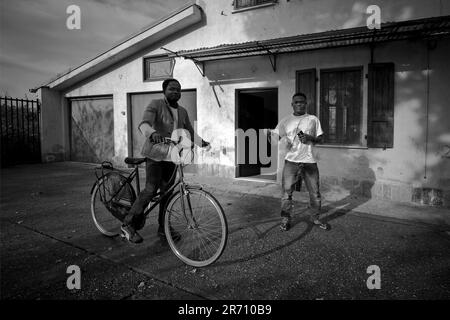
154,24
244,45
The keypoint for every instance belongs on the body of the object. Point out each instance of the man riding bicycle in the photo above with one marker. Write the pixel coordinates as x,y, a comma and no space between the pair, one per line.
160,119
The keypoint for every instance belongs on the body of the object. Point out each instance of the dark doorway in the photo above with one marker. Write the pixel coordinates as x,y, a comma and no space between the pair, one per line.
255,109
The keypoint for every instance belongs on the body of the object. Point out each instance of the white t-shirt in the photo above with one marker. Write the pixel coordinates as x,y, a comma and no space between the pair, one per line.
289,127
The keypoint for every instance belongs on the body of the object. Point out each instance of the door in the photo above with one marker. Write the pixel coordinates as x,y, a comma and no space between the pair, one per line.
257,109
92,129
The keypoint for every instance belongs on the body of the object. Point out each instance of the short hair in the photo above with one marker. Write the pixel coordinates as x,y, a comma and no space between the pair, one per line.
167,81
299,94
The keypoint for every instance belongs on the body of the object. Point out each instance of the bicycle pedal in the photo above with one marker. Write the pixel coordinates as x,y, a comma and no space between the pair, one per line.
122,235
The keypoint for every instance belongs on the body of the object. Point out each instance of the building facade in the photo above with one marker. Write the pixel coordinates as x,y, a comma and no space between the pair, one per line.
381,94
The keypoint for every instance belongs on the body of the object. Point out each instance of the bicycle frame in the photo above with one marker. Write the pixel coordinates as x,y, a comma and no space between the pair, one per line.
182,186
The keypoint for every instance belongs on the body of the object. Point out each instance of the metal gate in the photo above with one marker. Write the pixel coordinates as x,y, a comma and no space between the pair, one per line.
20,131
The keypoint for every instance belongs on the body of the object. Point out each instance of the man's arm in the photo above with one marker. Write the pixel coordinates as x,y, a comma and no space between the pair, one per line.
146,129
277,132
148,121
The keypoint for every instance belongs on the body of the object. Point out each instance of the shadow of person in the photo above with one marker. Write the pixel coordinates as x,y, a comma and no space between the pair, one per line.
357,182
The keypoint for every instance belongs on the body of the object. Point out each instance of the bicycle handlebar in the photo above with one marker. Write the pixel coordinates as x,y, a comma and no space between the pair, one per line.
170,141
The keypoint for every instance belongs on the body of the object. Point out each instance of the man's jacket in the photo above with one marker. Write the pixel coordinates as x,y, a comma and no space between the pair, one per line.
159,117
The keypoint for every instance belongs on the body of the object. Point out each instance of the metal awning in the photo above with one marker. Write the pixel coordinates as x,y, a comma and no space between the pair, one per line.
429,28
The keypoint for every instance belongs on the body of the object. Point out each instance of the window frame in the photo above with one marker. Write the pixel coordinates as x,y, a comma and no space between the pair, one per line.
360,144
159,58
254,6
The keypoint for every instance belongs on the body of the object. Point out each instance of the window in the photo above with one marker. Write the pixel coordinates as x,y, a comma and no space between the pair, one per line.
158,68
340,105
241,4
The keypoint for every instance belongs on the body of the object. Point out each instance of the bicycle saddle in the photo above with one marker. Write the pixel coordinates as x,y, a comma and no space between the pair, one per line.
134,161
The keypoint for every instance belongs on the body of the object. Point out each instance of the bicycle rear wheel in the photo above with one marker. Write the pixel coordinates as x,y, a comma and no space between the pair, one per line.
110,203
198,234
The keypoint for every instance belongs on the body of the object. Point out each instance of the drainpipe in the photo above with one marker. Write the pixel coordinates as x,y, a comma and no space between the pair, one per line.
431,45
426,110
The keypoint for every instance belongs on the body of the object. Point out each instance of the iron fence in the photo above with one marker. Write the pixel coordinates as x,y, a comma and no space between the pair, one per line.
20,131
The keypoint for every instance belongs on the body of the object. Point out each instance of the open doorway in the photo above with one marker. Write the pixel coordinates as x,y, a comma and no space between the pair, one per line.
255,109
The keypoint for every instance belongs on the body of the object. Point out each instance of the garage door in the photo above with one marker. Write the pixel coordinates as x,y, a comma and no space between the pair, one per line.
138,104
92,129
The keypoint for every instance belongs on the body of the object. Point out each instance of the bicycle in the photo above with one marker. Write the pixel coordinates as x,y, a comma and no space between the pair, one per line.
197,234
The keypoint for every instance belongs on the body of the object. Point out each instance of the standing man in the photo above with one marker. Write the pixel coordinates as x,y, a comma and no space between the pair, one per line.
302,131
160,119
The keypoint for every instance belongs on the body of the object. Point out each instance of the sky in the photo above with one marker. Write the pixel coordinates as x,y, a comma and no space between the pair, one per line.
35,43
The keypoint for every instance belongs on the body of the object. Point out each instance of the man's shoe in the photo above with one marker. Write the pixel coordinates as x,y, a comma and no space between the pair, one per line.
130,234
321,224
285,224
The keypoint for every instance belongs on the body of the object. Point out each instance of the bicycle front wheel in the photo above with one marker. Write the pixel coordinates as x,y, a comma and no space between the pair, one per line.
196,228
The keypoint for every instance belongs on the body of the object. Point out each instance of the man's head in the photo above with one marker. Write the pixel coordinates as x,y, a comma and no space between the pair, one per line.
172,90
299,103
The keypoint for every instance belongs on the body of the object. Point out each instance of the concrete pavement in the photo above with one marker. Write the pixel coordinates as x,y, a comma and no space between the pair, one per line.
46,227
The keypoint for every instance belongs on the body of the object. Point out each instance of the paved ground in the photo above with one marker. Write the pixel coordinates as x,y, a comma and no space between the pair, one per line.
46,227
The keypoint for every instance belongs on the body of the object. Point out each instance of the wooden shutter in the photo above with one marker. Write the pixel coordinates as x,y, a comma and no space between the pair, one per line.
324,109
380,126
306,83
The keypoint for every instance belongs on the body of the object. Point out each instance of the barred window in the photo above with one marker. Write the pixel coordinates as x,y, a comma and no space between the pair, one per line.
158,68
240,4
341,105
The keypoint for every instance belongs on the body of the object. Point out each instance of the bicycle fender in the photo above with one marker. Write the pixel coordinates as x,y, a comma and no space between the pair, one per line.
93,186
96,182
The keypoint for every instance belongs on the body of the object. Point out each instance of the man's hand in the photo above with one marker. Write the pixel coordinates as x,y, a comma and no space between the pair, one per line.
304,137
156,137
206,144
269,133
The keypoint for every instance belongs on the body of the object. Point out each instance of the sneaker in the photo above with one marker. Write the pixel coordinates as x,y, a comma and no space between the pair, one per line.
130,234
320,224
285,224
